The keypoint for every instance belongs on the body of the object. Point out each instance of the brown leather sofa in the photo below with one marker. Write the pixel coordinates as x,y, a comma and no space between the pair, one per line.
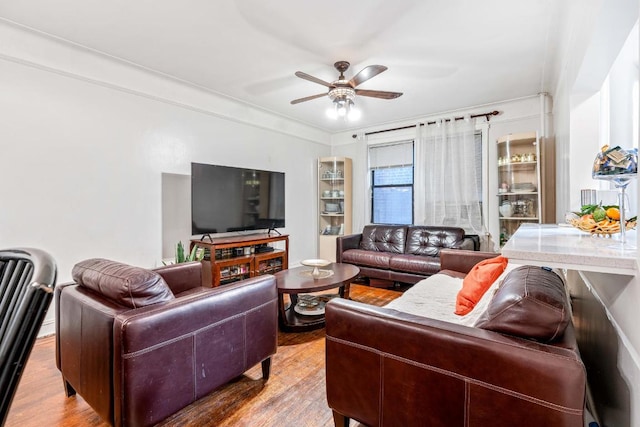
401,253
388,368
138,345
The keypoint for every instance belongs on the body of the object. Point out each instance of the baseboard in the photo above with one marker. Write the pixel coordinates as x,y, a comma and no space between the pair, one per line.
48,328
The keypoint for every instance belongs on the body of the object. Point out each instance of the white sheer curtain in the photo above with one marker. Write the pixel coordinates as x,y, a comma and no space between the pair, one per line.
361,185
447,166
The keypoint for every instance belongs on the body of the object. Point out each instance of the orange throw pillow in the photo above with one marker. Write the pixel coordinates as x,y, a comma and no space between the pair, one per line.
476,283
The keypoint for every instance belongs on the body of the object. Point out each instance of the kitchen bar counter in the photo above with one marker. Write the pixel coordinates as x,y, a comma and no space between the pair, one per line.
559,246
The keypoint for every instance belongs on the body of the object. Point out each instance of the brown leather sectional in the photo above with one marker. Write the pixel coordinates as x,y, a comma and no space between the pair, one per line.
400,253
139,345
388,368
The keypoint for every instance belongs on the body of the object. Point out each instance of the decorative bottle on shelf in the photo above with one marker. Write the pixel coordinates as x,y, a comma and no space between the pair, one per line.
503,236
506,209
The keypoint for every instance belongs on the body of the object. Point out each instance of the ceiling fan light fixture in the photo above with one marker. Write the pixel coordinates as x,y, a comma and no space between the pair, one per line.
342,93
354,114
342,98
332,113
343,108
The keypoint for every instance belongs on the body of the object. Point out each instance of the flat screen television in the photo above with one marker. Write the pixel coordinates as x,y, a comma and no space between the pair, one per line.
226,199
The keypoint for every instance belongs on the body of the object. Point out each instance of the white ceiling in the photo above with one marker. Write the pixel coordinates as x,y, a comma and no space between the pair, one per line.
443,55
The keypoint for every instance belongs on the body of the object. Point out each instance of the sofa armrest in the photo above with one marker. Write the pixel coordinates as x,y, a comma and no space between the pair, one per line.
343,243
84,344
475,240
462,260
182,277
191,345
57,292
419,371
197,312
467,244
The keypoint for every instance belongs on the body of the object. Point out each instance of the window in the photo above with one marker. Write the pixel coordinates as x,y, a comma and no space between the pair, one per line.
618,114
391,167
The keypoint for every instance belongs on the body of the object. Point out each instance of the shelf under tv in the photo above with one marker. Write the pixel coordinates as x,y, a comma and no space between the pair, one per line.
254,258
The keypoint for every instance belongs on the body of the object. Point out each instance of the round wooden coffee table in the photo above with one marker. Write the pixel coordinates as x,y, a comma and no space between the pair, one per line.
298,280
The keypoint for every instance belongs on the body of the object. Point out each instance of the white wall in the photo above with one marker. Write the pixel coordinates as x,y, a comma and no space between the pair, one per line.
86,140
595,32
585,128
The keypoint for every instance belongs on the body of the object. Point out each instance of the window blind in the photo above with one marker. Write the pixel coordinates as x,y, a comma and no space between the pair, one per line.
391,155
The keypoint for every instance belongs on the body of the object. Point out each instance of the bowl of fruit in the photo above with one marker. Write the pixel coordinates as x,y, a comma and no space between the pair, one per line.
600,220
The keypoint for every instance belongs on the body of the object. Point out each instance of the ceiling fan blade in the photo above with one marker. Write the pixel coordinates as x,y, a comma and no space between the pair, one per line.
366,73
378,94
308,98
313,79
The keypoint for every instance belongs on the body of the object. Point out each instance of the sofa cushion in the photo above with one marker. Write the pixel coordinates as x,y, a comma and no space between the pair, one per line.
476,283
383,238
121,283
530,303
425,265
367,258
428,240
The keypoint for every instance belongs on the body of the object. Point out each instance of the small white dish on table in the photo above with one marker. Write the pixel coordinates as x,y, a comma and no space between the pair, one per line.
316,263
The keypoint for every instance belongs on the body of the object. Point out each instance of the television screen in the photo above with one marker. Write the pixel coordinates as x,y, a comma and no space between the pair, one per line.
225,199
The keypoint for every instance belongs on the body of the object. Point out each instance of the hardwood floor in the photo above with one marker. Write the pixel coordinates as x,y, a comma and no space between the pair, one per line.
294,396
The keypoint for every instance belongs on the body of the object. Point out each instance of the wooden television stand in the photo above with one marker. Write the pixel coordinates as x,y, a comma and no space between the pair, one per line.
234,258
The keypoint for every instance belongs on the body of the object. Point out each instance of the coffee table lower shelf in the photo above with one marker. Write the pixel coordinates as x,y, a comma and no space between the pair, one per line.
294,322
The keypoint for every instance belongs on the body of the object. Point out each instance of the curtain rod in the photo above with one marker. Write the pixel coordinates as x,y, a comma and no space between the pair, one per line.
473,116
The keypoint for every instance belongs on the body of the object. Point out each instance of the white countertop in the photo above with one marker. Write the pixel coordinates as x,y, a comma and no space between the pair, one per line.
560,246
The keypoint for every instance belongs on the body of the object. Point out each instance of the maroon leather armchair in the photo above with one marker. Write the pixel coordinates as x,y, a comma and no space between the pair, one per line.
138,345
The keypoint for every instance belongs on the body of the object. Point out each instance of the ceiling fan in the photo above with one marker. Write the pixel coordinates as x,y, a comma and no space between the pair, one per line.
342,91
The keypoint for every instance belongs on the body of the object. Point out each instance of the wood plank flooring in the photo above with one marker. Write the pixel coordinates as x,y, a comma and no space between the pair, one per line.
294,396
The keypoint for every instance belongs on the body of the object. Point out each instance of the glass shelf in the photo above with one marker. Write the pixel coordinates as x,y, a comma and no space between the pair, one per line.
521,193
519,218
519,165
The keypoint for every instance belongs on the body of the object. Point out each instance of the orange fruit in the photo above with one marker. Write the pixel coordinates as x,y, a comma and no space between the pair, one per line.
613,213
